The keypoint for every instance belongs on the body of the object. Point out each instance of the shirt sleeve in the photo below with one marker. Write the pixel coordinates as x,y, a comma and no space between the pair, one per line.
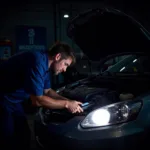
34,81
47,82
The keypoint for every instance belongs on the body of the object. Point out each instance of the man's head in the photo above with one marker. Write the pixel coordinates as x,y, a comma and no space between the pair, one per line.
61,56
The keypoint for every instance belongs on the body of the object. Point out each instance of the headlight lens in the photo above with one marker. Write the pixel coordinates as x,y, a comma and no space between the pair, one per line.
112,114
103,114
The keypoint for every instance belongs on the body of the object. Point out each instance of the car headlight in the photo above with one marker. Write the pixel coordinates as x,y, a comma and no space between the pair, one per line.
112,114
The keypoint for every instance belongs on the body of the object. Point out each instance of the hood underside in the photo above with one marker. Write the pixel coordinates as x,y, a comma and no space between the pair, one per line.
103,32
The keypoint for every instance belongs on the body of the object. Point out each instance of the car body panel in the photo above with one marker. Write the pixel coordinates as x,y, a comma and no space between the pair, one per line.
105,31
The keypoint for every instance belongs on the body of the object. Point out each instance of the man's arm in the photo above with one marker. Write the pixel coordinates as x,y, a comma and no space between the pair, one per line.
53,94
48,102
51,103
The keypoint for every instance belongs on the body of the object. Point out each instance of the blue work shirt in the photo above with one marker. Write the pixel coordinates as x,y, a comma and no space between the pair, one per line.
24,74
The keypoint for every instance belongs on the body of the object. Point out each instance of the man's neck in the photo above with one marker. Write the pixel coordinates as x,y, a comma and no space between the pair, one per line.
50,61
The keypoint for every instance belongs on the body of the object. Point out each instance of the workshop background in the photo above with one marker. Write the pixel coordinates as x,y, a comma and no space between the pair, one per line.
30,25
37,24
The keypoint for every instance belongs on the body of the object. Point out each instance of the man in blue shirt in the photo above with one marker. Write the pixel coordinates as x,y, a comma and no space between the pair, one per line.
28,74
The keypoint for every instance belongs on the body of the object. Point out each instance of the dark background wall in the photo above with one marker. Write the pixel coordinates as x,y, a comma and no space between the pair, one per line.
49,14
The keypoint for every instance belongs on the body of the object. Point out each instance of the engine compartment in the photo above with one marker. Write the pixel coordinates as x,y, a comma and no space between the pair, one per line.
97,92
87,93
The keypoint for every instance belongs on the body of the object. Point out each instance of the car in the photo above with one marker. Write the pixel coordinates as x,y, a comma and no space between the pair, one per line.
116,101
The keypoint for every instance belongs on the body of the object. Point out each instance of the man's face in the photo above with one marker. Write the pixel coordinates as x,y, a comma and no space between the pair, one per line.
60,65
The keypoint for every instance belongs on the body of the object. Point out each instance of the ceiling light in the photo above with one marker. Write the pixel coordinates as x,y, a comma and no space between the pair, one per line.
66,16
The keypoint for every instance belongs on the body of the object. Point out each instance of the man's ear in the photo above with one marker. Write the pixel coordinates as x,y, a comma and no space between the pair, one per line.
58,56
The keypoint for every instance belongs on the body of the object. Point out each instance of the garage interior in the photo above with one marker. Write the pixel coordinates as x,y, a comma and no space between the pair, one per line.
50,18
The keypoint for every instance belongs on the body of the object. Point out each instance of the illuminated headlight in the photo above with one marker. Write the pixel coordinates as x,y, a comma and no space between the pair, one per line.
112,114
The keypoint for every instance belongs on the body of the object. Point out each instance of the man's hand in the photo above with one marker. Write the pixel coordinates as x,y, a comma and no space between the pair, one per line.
74,106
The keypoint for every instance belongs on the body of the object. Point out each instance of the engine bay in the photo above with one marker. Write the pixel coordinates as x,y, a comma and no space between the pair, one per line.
93,94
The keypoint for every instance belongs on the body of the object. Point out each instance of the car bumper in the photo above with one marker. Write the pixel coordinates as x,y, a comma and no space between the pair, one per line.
72,136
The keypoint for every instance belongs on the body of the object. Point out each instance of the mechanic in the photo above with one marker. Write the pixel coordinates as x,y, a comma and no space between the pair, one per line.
28,74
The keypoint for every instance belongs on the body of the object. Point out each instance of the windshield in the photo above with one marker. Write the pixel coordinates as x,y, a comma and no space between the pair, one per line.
131,64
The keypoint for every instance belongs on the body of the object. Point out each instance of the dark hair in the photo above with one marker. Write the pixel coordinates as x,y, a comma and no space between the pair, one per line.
65,50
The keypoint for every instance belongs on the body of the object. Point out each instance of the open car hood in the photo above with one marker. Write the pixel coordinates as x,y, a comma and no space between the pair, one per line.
105,31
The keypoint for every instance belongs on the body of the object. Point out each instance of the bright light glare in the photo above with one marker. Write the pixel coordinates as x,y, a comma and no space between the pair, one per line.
66,16
134,60
101,117
122,69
